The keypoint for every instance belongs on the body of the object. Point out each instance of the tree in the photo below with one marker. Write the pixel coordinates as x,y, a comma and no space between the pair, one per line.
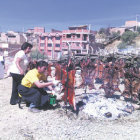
122,45
115,34
104,31
38,55
128,37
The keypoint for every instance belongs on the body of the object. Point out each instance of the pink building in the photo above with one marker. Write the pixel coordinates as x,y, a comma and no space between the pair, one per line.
131,23
121,30
128,25
76,39
30,31
39,30
36,30
50,43
12,37
57,43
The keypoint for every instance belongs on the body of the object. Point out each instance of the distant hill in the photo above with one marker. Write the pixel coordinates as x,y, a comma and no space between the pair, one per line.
115,43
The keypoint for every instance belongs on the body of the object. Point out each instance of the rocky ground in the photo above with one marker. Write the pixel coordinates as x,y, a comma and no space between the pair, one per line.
56,124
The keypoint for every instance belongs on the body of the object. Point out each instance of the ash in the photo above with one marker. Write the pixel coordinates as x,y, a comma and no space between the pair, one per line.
96,105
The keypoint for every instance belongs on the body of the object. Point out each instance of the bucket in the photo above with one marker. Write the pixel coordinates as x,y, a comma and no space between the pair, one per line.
52,99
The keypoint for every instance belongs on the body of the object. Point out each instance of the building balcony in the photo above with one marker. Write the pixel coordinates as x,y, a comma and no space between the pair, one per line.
74,40
65,47
42,41
75,48
84,51
49,48
41,48
76,32
71,47
57,41
57,48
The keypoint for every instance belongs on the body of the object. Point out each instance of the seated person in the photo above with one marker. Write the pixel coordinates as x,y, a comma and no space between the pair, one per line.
31,88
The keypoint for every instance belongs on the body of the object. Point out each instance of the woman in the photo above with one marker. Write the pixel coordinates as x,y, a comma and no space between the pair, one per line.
18,68
1,66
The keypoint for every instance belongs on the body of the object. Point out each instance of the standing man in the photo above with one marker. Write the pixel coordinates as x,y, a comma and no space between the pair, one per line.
31,88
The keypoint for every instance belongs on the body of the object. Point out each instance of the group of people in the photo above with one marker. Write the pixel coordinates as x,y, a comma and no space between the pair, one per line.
28,85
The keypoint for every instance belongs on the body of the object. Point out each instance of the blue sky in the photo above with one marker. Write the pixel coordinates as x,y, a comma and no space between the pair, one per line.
60,14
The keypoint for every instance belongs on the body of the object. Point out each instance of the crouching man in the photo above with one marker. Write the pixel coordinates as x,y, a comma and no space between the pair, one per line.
31,89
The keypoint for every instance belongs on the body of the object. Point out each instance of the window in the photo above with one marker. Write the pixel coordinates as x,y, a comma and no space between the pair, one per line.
49,38
78,51
85,37
42,37
57,45
49,45
84,46
63,44
77,44
42,44
57,38
78,35
68,36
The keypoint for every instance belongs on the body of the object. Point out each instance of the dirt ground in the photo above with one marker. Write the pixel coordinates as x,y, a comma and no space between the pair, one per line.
55,124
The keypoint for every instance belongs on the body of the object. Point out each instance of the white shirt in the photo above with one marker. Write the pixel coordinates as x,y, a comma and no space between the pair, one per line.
1,58
23,63
1,71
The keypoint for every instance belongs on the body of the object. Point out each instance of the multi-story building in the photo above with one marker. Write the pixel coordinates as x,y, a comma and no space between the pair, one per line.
121,30
38,30
129,25
100,38
132,23
12,37
30,31
75,39
50,44
3,37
